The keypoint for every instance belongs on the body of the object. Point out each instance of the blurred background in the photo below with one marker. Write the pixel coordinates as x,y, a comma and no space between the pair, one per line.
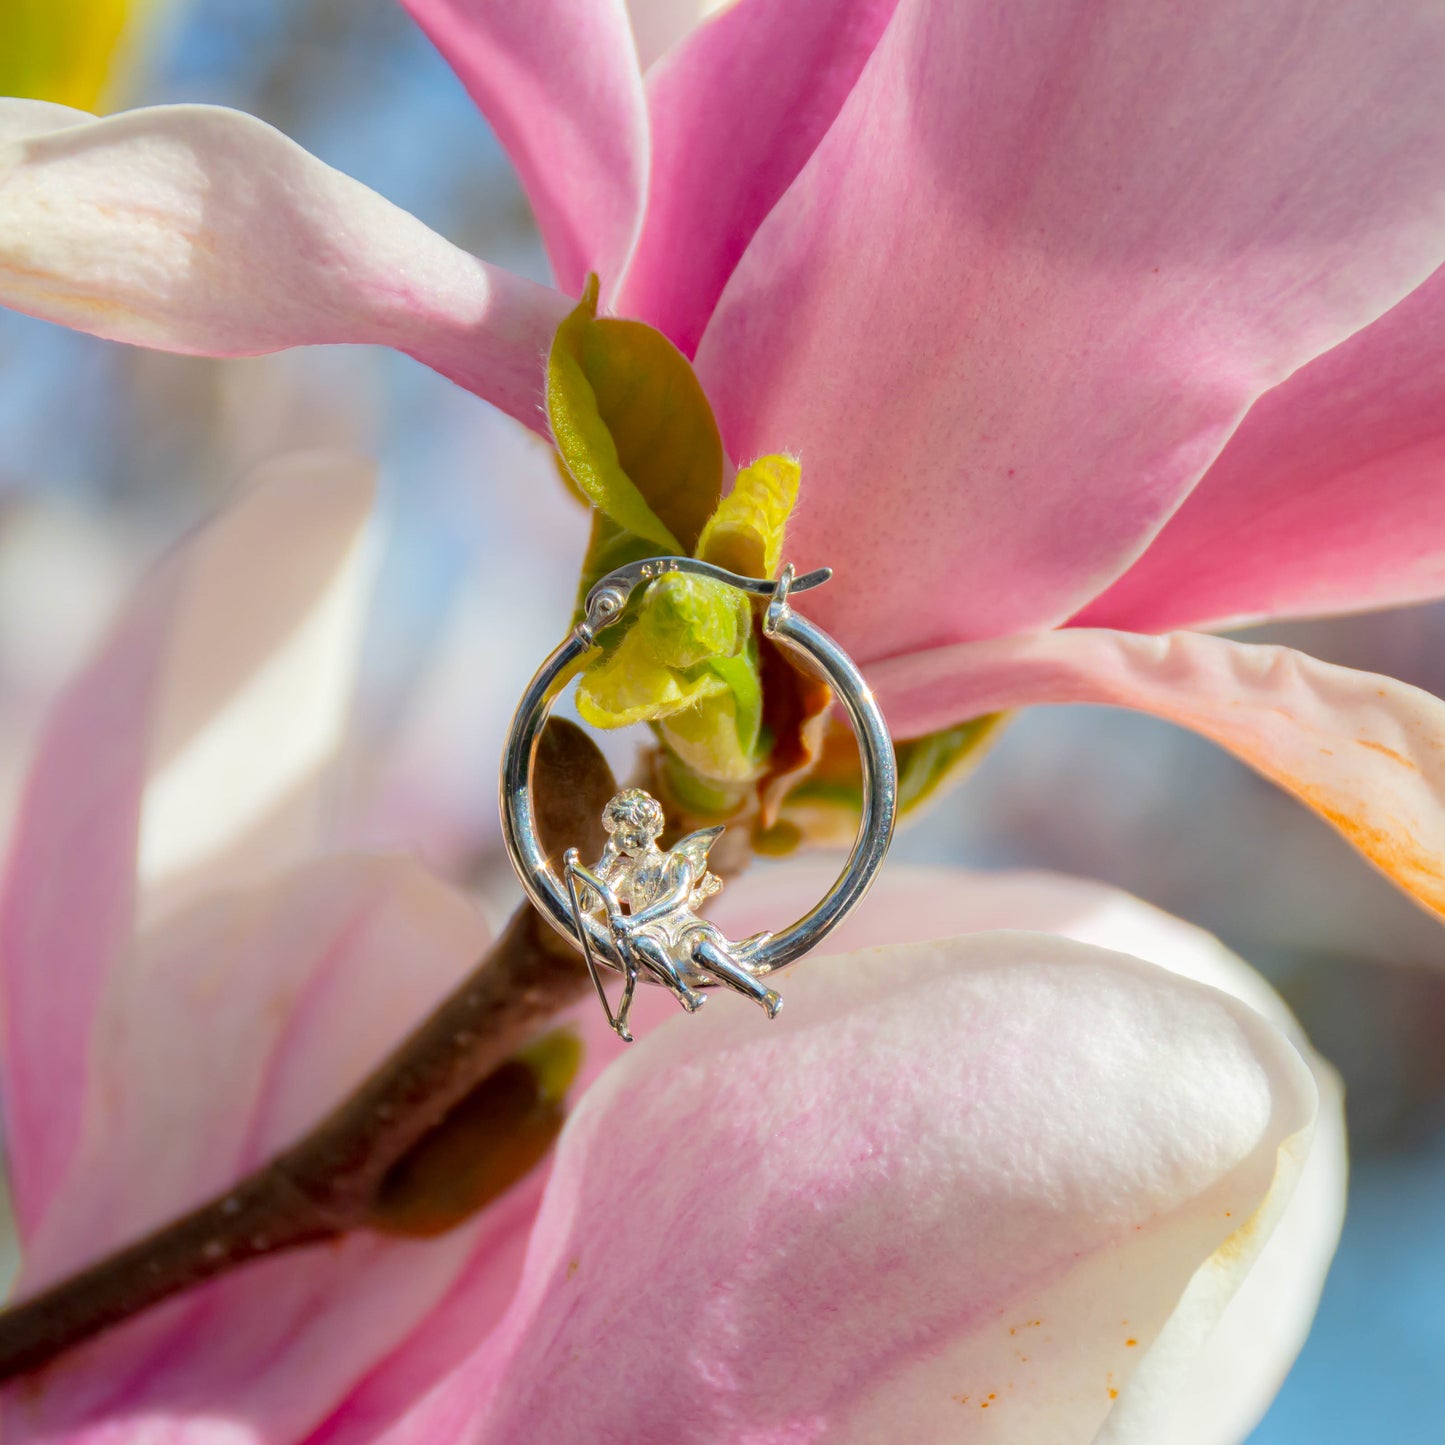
107,455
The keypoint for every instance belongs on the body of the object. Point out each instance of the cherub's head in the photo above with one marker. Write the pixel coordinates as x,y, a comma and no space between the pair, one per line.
634,819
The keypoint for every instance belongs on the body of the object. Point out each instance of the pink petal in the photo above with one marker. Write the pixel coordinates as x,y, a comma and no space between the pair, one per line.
938,1199
223,687
434,1368
196,229
1330,496
908,904
221,1036
22,118
736,110
458,1326
559,82
1238,1329
1039,268
1364,751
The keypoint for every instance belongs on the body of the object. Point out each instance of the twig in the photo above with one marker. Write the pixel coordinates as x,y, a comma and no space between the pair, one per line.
332,1180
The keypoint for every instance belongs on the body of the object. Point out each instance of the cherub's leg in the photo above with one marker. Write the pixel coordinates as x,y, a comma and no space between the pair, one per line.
708,953
654,955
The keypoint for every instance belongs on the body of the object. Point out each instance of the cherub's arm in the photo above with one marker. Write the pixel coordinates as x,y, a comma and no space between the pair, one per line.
584,885
607,869
594,889
612,857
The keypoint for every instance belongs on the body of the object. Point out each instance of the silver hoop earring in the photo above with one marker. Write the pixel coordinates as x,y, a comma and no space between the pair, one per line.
635,910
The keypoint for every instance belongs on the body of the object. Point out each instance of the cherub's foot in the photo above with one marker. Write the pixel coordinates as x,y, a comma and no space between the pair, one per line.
691,999
771,1003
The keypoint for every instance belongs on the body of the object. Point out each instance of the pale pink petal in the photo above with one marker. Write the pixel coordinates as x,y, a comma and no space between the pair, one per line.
382,1406
221,1036
1039,268
259,682
913,904
434,1368
1330,496
907,904
658,25
1245,1317
1254,1305
736,110
430,1377
223,687
1364,751
954,1192
21,118
197,229
559,82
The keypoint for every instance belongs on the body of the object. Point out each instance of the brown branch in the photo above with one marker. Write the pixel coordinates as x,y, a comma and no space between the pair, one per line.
454,1063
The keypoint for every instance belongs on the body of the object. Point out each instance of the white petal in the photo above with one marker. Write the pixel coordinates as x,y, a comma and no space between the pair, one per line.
955,1192
258,682
1241,1323
196,747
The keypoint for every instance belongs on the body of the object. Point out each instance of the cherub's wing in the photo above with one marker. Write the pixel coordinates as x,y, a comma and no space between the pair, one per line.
695,848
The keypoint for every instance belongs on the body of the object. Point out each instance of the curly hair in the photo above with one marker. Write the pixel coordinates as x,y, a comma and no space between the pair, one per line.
633,808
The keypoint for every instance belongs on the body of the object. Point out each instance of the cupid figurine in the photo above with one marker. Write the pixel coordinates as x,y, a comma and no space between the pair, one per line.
648,900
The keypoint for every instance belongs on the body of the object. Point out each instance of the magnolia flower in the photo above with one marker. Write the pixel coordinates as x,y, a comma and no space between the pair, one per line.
1137,317
976,1184
1133,313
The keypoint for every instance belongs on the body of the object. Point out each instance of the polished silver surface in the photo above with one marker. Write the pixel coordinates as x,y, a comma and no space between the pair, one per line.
647,898
634,910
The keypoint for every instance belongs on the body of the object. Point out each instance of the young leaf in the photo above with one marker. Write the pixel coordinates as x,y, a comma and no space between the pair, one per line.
633,426
745,533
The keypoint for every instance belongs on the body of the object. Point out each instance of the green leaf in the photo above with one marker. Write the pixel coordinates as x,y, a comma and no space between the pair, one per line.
631,684
708,739
720,739
745,687
633,426
689,664
745,533
637,438
694,619
930,764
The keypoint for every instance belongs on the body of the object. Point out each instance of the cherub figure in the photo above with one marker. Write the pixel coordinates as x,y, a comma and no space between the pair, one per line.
649,898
